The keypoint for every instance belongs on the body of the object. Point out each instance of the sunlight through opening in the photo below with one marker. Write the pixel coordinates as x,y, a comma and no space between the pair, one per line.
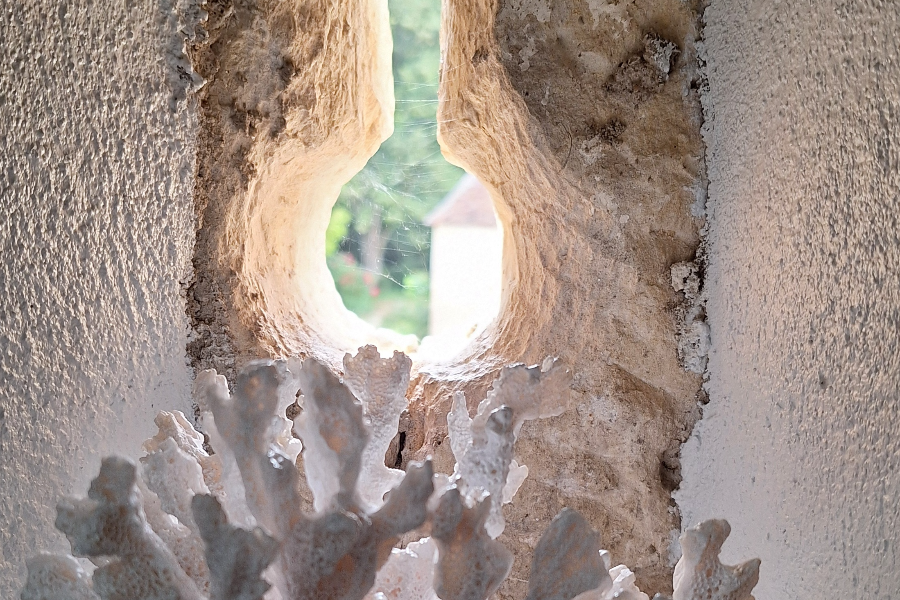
413,243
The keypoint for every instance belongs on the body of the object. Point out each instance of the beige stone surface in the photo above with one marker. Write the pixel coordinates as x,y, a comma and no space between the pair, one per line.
590,146
299,96
582,119
593,184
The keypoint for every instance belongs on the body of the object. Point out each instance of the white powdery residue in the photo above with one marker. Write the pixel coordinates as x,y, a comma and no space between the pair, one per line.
526,53
540,9
617,11
699,190
591,150
407,574
693,335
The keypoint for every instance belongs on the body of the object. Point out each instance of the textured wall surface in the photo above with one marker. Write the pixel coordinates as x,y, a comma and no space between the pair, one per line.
96,229
583,121
799,446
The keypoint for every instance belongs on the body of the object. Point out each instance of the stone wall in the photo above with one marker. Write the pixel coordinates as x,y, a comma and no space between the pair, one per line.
582,119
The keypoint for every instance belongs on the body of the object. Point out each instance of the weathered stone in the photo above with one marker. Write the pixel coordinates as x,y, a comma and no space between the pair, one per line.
583,121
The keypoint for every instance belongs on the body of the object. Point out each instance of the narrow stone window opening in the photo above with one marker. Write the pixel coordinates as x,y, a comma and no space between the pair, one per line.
592,166
414,243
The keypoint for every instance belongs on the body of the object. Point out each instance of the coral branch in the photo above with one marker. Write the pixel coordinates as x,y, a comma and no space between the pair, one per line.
531,392
175,532
110,522
336,555
623,586
380,385
699,574
236,557
247,423
471,565
55,577
483,445
184,542
484,465
175,427
567,560
334,436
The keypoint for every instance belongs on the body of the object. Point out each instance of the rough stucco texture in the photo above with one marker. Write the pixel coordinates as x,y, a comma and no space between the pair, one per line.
96,230
798,447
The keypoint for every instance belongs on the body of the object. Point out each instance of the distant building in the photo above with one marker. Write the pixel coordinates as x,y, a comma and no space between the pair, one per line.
466,252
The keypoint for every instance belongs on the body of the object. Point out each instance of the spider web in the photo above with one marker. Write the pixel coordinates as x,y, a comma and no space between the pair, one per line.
377,247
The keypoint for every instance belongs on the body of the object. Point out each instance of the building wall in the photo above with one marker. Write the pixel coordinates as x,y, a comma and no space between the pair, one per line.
799,446
96,227
465,278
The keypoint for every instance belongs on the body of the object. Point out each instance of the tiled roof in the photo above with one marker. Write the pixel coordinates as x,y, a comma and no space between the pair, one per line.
468,203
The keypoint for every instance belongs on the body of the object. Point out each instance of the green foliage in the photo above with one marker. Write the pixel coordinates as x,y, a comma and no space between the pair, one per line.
337,229
400,184
358,288
382,302
406,308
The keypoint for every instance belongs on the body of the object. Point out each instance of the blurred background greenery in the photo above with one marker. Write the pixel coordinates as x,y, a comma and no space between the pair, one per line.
376,246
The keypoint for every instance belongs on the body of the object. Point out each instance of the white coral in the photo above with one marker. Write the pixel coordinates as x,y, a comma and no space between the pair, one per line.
408,574
567,561
54,577
189,525
483,445
380,385
699,574
110,522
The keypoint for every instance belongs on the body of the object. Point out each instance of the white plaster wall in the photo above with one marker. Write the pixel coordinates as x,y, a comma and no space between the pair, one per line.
465,278
96,230
799,447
